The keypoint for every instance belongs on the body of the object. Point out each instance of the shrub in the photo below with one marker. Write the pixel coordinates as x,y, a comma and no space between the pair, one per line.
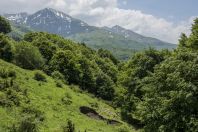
6,48
28,125
59,84
4,25
11,73
70,127
65,62
105,87
28,56
39,76
58,76
67,99
3,99
34,112
123,128
5,73
31,119
14,97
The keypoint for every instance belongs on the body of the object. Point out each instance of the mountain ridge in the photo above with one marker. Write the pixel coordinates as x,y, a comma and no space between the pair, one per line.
117,37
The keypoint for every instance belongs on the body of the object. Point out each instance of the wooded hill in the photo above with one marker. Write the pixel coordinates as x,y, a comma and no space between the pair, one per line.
45,79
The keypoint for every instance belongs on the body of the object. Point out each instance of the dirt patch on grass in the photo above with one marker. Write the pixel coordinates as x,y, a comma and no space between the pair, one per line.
93,114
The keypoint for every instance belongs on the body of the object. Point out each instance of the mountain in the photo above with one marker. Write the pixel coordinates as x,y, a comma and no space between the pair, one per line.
18,18
139,38
52,21
120,41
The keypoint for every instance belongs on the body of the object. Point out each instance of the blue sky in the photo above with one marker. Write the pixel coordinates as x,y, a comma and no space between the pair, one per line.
173,10
162,19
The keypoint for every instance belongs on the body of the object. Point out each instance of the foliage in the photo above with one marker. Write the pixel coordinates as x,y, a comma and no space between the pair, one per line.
70,127
87,80
6,48
170,94
57,75
76,62
39,76
64,62
28,126
104,87
4,26
107,54
67,99
162,87
28,56
123,128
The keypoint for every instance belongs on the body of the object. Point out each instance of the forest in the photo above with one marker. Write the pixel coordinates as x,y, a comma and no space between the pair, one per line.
153,91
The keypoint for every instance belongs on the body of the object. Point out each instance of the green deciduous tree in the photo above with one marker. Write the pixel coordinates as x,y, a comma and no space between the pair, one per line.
104,86
107,54
88,80
6,48
28,56
65,63
171,100
4,26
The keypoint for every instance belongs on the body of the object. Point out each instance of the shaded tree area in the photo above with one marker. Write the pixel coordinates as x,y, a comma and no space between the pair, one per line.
161,87
4,26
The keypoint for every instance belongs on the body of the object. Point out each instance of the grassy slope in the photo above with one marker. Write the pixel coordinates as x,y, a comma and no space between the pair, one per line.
46,97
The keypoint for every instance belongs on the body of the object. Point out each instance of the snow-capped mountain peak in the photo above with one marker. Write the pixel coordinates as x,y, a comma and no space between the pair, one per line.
15,17
51,20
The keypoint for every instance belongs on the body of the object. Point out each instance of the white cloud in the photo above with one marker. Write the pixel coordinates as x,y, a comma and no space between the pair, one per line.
106,13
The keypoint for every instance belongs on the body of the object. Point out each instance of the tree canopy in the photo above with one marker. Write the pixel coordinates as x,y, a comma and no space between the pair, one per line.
4,25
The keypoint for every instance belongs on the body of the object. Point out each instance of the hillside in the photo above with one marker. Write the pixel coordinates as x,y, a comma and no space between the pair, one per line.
147,41
116,39
49,105
18,31
49,83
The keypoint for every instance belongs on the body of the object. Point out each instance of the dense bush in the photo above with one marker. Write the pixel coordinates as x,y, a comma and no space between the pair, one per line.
67,99
46,48
4,26
39,76
104,87
123,128
28,125
6,48
70,127
6,73
28,56
87,81
107,54
59,83
58,76
64,62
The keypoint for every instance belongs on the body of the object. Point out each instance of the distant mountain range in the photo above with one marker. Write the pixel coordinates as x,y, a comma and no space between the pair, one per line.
120,41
